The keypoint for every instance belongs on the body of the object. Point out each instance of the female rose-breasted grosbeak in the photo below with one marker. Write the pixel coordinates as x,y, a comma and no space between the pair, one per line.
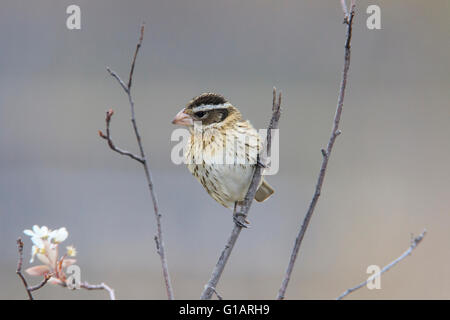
222,149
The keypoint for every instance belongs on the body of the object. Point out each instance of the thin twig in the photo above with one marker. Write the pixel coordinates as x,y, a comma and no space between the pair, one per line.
101,286
111,144
19,268
210,287
135,55
325,157
21,276
143,160
217,294
43,282
344,8
414,243
88,286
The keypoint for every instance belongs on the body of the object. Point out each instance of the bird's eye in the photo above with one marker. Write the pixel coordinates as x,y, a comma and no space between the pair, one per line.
200,114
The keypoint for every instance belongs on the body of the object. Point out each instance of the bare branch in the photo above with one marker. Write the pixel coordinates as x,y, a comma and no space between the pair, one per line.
88,286
120,81
43,282
210,287
335,132
414,243
344,8
101,286
142,159
111,144
217,294
135,55
21,276
19,268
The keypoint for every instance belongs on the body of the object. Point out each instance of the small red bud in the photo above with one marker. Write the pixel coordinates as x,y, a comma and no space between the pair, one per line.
109,114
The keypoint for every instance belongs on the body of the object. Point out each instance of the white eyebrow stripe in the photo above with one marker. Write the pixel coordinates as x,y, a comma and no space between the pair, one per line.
209,107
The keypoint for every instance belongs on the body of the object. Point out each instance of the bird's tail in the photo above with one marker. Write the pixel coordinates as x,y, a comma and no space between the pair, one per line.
264,191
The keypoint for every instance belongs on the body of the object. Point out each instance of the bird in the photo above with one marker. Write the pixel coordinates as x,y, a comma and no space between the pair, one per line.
222,149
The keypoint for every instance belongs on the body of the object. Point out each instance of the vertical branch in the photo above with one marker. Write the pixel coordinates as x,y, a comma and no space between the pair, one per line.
135,55
143,160
348,20
19,268
21,276
210,287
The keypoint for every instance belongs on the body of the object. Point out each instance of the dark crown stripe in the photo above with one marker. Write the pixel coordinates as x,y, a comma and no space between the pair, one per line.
207,99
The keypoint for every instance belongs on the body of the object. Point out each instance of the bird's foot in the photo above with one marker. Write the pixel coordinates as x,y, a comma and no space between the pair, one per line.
261,164
240,220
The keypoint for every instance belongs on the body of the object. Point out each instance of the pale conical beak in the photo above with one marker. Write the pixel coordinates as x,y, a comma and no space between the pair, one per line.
183,119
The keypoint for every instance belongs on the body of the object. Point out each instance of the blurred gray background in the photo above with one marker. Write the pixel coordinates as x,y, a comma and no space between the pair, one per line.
388,177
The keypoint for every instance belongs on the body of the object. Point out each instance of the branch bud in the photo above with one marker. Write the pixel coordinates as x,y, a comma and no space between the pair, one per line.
109,114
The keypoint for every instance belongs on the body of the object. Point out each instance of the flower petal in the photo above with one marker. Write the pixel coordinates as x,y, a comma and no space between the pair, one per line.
28,232
38,270
68,262
55,281
58,236
43,258
71,251
34,251
52,254
38,242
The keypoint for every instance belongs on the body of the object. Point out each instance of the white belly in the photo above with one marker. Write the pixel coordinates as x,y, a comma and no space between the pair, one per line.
225,182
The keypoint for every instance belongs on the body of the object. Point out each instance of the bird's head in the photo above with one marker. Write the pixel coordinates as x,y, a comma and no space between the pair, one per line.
212,109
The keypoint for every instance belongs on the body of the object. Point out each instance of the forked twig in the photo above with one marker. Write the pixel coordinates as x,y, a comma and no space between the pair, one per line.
348,20
210,287
111,144
142,160
40,285
22,277
414,243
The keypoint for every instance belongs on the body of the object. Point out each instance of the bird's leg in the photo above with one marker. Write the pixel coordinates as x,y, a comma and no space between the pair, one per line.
260,163
239,218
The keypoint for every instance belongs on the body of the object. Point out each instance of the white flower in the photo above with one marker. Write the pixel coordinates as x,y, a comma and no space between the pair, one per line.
38,242
45,242
71,251
37,236
37,249
58,236
42,233
45,249
34,251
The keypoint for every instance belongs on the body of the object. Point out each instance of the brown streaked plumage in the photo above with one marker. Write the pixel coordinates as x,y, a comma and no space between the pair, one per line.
222,149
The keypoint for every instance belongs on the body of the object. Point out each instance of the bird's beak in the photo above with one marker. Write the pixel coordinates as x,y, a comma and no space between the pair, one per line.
183,119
